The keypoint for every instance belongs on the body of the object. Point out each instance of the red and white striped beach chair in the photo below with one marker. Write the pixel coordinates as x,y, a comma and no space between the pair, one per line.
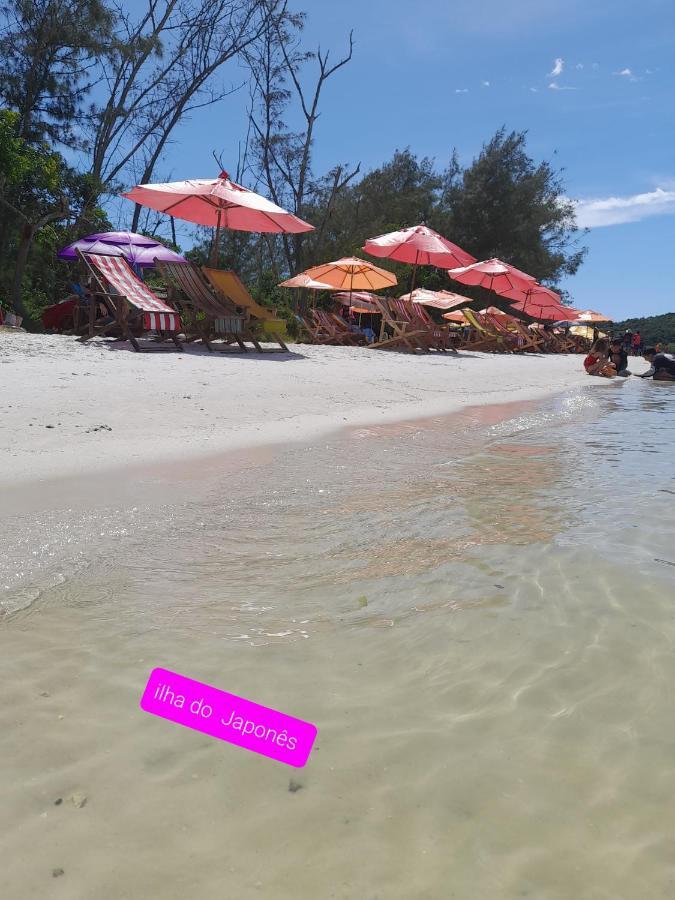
119,289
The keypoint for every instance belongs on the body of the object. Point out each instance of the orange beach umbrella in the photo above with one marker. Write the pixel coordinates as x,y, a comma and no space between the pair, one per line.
352,274
589,315
456,316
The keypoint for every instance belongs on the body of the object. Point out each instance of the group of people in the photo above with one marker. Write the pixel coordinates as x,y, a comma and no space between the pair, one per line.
632,343
610,358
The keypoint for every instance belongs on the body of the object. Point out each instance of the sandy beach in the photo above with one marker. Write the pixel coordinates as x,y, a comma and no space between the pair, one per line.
71,408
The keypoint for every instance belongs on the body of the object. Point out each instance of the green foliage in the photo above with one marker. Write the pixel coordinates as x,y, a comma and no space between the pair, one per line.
401,192
506,205
503,204
46,51
36,183
654,329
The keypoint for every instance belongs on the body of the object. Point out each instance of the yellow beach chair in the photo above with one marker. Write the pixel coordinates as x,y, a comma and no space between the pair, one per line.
228,283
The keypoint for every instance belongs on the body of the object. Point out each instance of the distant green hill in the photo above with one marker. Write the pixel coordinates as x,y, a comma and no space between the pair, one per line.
652,328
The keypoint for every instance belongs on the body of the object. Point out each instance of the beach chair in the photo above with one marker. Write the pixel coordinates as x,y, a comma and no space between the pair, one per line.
530,340
523,339
227,284
481,335
133,307
365,335
397,333
208,316
567,341
313,332
443,335
551,342
335,330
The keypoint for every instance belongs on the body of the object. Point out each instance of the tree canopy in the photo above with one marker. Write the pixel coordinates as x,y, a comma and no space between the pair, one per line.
93,91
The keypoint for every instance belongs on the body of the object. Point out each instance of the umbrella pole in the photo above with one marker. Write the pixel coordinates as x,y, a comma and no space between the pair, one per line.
414,271
216,245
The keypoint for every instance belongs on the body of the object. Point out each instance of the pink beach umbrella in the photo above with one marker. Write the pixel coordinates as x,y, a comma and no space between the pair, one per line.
418,246
493,275
220,203
539,306
304,281
437,299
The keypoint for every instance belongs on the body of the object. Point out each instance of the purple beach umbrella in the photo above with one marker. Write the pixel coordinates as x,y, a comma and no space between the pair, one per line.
137,249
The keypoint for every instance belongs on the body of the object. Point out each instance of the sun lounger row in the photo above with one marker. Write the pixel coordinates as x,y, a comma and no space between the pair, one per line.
206,305
213,307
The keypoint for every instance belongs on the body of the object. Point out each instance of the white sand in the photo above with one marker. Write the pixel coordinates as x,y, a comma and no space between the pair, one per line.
174,406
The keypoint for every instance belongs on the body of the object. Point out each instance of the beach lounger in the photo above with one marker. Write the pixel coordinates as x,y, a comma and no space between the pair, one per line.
524,338
553,342
487,337
402,334
443,335
219,319
133,307
531,340
228,284
335,330
404,312
314,331
568,342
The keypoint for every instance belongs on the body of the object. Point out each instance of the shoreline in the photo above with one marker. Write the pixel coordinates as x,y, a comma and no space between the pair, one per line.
85,410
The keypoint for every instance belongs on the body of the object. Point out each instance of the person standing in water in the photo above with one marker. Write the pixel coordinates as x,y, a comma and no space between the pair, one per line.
662,365
637,344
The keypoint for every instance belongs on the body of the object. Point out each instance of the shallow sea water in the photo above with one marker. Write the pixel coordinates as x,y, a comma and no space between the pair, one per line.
477,612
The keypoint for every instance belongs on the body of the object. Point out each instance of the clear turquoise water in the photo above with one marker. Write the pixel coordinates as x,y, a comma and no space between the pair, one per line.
477,612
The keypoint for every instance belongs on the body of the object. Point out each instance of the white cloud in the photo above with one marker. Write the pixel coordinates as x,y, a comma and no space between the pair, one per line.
596,213
558,67
485,83
595,66
579,66
627,73
535,90
560,87
461,90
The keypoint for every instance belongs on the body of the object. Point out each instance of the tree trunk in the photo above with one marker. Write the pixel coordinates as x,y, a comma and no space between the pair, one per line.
16,295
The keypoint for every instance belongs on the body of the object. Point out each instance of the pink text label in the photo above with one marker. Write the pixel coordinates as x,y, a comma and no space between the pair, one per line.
228,717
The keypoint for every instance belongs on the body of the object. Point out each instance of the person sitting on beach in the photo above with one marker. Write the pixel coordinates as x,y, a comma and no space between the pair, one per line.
662,365
598,363
619,357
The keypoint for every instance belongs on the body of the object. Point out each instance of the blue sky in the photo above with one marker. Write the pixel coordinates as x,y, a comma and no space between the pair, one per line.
591,81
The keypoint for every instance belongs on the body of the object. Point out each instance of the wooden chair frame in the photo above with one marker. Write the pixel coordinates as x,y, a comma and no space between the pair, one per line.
119,306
